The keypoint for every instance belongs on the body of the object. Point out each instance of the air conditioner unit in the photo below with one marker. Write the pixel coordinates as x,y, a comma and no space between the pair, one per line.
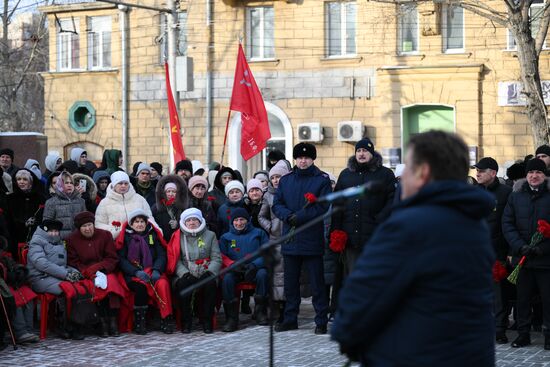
310,131
350,131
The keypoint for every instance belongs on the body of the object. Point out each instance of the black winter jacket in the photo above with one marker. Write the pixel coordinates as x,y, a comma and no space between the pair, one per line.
519,221
361,216
501,193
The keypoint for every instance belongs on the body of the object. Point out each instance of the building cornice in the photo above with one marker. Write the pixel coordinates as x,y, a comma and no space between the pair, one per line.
80,7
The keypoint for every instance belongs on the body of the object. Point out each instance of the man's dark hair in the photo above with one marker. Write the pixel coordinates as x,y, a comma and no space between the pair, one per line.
445,153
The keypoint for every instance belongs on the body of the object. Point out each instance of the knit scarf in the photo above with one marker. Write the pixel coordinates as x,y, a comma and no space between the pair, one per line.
138,252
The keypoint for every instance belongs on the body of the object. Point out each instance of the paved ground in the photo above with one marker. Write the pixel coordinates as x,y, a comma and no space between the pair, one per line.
247,347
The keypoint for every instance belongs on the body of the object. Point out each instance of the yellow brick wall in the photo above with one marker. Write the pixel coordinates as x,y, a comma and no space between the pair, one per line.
501,132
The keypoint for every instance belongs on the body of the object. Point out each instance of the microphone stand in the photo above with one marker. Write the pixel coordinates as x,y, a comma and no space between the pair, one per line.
267,251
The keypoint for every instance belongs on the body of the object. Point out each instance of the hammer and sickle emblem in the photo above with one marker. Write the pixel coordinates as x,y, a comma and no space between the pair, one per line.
244,81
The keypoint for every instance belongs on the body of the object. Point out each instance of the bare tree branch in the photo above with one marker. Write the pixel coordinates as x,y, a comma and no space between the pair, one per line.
543,29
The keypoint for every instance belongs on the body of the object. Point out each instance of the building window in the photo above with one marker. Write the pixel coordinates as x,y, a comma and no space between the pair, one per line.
68,44
453,29
99,42
260,31
340,28
181,36
535,15
408,28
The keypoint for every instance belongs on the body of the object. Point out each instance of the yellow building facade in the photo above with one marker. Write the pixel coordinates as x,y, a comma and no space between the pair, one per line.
387,71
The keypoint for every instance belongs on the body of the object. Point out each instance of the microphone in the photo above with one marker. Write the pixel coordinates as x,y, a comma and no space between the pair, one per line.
373,187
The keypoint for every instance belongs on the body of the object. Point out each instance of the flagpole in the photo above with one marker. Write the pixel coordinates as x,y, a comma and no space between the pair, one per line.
225,136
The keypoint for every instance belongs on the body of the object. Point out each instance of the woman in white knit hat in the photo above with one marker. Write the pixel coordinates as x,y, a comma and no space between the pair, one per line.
194,255
120,200
234,191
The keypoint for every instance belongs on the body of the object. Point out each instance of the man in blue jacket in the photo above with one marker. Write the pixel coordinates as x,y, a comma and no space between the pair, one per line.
306,248
421,293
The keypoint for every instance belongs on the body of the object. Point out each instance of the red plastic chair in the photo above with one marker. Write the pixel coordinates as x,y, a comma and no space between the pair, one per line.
243,286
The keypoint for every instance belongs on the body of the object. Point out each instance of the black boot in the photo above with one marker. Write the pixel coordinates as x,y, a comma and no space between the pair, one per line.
207,326
245,304
186,317
260,310
76,333
547,342
113,326
231,310
63,329
104,331
140,312
521,341
166,325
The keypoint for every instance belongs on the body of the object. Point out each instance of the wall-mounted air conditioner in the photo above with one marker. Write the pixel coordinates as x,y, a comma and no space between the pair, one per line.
350,131
310,131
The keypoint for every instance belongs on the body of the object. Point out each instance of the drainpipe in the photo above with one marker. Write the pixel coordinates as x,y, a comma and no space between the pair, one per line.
209,50
123,12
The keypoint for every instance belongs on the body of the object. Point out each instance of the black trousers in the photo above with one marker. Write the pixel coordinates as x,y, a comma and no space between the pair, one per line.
528,282
141,298
503,296
208,292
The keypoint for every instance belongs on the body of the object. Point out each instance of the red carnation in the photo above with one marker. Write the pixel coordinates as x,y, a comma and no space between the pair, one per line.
211,198
168,202
310,198
116,223
544,228
338,240
199,261
41,206
499,271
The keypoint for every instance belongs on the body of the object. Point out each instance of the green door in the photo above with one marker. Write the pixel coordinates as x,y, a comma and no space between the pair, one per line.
418,119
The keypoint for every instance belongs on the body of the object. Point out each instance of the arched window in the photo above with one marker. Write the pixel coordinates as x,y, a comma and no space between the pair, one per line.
281,139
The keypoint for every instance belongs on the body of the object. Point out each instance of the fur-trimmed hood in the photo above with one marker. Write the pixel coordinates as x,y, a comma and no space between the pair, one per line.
519,184
372,165
91,187
218,180
182,196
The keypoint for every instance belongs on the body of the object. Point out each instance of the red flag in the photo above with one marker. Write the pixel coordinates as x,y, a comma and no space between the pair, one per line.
175,136
247,99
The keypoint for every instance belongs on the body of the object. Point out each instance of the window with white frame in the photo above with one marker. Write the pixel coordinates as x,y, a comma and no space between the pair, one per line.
260,31
408,28
340,28
99,42
181,35
453,29
68,44
535,14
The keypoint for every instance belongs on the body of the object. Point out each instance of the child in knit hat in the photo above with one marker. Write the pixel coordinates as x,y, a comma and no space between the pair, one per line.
234,190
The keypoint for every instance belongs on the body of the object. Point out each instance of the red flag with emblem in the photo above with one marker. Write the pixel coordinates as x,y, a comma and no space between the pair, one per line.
175,135
247,99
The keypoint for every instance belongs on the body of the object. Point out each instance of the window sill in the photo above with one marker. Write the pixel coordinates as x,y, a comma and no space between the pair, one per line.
344,58
412,55
81,71
273,62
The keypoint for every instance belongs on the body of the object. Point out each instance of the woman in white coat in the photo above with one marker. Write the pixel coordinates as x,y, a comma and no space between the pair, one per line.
121,199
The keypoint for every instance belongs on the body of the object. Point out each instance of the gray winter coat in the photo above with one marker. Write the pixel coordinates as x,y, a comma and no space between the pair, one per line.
208,249
47,262
274,227
64,208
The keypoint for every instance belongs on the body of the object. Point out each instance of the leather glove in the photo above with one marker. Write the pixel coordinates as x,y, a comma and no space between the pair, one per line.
250,272
30,222
142,275
292,220
524,250
155,276
173,223
207,274
187,276
73,276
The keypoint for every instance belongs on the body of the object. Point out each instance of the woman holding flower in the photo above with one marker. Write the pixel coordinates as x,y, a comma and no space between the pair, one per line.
120,200
142,255
172,199
195,255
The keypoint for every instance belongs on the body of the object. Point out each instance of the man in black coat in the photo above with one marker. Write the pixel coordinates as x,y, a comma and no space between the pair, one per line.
361,216
527,204
421,293
486,175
